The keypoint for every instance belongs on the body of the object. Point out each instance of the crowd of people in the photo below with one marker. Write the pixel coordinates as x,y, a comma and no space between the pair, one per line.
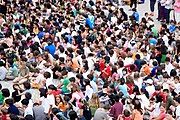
89,60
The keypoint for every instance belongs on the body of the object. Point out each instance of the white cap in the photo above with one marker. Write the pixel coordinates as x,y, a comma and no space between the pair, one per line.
149,81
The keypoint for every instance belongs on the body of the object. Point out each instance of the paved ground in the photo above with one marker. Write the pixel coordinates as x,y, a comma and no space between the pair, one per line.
142,9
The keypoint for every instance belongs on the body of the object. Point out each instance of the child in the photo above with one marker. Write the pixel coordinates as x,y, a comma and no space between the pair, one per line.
135,15
126,115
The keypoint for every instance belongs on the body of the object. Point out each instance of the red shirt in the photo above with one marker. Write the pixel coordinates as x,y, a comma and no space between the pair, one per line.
161,94
107,72
101,65
131,87
56,92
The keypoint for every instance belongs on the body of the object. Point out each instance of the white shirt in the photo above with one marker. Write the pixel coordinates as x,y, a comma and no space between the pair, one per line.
3,72
128,61
49,81
178,112
41,65
168,68
90,63
119,71
138,83
150,89
156,110
144,100
94,86
28,111
88,92
177,88
47,102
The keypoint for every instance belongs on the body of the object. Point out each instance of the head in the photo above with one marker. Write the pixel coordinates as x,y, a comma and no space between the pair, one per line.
166,92
58,99
137,105
163,107
5,92
25,102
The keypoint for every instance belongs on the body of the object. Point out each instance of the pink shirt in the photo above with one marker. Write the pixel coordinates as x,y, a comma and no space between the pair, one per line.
177,6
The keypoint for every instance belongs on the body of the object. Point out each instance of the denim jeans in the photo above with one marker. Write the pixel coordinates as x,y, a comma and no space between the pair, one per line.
167,14
152,4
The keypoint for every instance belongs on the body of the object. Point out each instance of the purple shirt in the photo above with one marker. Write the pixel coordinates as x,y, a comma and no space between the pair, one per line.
116,110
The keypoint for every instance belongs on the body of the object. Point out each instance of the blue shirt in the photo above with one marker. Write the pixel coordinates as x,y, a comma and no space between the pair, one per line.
136,16
51,48
124,90
13,110
172,28
153,41
41,35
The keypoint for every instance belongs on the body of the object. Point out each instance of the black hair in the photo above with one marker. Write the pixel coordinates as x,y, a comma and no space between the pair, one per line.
55,111
27,85
52,87
25,102
43,92
138,56
5,92
155,63
166,90
29,117
0,86
14,117
72,79
177,99
121,63
126,113
90,76
47,74
87,82
28,95
9,101
73,115
116,98
173,73
168,59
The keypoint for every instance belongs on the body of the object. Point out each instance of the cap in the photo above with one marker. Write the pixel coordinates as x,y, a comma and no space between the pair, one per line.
149,81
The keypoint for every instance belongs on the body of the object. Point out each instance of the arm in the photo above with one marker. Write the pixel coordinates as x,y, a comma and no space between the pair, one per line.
133,115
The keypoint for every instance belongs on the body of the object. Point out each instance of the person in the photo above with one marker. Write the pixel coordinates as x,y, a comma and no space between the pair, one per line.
126,115
24,72
116,109
76,55
3,71
38,112
12,109
177,101
60,103
162,114
177,10
94,103
101,113
137,112
135,15
169,99
51,48
26,107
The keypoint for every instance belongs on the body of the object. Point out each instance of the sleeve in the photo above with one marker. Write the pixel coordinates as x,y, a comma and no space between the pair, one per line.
178,112
111,112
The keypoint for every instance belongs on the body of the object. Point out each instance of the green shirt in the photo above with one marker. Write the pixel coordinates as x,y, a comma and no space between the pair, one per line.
65,83
154,31
1,98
